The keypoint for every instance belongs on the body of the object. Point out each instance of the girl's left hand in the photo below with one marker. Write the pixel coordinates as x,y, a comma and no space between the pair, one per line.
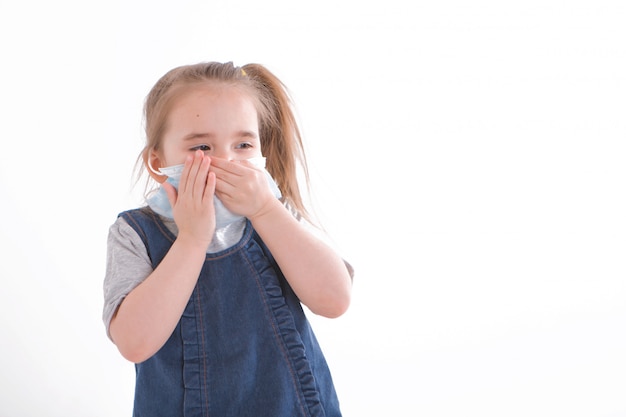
241,187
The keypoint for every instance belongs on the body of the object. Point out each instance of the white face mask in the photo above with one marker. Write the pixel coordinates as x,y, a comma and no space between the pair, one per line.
223,217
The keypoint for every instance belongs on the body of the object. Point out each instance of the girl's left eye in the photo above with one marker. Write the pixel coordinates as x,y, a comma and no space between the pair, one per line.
201,148
244,145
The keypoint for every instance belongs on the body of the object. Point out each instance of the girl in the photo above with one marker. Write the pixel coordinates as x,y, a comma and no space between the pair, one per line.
204,285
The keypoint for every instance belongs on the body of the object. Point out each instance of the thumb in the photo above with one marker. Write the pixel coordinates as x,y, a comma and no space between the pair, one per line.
172,194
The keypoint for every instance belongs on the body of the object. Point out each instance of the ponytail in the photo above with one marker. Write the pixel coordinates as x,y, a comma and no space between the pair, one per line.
281,141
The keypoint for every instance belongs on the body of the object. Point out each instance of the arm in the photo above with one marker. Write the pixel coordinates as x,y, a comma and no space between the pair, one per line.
316,273
150,312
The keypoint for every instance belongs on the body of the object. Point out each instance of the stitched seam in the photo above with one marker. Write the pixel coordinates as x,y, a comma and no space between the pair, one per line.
204,362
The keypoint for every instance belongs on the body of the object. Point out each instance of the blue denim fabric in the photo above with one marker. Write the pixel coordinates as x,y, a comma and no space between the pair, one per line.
243,346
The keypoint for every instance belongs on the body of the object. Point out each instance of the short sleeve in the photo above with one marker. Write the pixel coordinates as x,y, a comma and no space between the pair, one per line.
127,266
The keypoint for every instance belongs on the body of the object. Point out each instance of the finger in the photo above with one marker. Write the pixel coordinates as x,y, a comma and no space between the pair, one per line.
228,173
223,188
201,177
209,188
223,165
193,172
182,185
226,180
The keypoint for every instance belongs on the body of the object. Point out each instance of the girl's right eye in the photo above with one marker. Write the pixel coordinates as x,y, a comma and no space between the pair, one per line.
203,148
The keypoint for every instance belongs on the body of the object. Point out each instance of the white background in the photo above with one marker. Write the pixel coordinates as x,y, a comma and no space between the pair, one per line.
467,157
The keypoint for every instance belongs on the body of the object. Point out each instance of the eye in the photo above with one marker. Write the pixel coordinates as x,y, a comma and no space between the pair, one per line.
245,145
203,148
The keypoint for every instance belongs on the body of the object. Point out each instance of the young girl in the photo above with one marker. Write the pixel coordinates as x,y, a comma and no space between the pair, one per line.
204,285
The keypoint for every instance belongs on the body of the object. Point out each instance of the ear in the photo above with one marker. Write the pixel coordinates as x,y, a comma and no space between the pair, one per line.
152,161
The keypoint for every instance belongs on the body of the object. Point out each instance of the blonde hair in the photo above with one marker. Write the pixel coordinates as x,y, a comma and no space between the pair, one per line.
280,137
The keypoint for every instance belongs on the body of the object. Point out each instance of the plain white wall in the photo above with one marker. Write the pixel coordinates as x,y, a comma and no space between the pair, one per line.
466,157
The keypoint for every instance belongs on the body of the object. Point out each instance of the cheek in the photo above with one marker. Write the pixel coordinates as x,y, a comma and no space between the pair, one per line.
172,155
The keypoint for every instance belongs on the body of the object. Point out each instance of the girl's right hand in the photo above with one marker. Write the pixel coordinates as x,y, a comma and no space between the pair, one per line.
192,204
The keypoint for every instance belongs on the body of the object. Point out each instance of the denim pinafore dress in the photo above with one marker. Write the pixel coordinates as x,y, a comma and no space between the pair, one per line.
243,346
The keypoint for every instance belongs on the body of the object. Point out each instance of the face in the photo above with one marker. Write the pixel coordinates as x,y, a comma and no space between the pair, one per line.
219,120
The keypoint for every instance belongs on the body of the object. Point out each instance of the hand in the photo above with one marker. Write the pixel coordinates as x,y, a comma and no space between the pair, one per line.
241,187
192,204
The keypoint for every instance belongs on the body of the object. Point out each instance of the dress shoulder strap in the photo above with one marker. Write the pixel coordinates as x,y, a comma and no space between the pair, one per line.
153,233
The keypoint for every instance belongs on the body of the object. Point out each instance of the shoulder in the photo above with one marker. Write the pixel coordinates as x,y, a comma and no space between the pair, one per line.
141,220
123,235
137,216
126,250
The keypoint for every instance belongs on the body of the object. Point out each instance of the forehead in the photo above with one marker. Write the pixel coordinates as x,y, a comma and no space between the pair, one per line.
212,89
207,107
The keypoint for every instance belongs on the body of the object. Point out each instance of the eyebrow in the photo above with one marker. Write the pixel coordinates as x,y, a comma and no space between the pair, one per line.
206,135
